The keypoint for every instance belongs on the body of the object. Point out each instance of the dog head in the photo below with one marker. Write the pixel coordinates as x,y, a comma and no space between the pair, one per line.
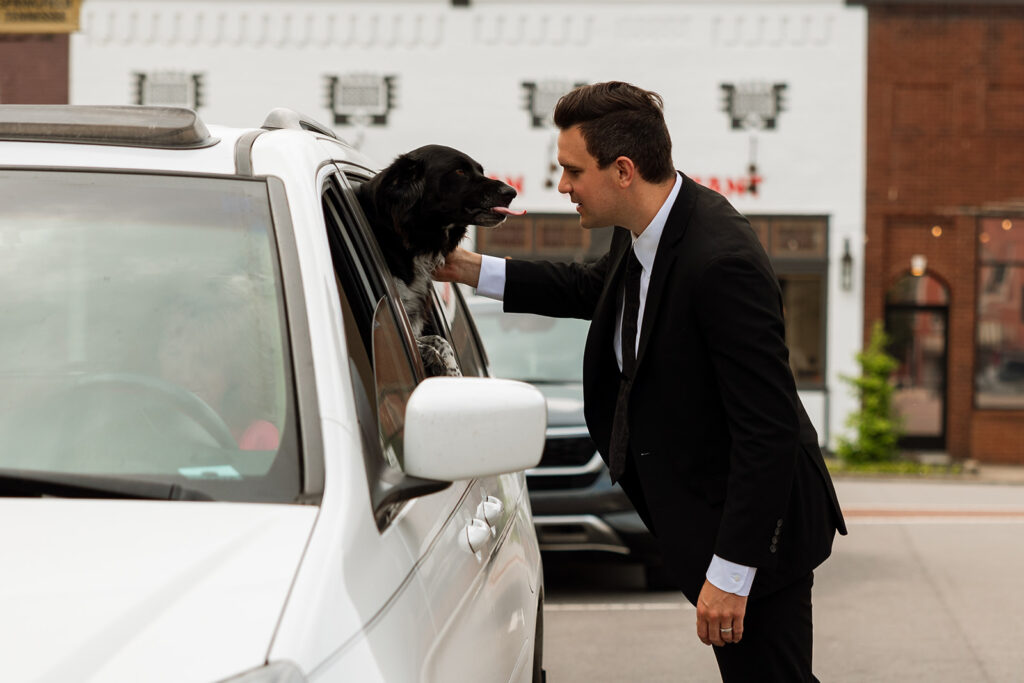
431,194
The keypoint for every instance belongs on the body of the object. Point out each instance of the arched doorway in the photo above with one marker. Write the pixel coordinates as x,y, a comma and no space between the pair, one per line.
917,320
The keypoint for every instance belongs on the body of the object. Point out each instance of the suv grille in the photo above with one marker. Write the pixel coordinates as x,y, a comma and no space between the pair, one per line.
568,452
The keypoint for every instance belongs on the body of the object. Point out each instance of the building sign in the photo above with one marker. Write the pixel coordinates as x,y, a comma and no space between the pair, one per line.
515,182
39,16
737,186
754,105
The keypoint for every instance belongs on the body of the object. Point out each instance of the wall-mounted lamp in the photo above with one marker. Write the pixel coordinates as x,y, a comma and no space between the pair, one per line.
846,267
918,264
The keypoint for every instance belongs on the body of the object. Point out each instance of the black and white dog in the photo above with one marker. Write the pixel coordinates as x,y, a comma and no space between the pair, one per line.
419,208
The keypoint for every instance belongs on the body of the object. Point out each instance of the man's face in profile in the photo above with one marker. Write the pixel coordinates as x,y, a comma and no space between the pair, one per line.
594,190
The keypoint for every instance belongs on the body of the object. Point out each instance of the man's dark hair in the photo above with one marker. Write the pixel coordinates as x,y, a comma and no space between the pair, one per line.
620,119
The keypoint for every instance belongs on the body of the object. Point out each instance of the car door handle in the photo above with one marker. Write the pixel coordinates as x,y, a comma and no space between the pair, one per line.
477,534
490,510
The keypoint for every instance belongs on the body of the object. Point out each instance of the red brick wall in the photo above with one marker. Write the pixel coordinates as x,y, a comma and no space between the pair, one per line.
33,69
945,133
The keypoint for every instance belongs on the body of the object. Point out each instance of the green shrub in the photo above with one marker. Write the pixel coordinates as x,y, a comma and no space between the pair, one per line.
876,429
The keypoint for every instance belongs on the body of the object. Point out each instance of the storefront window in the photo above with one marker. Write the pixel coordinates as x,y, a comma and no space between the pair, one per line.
551,236
999,370
797,246
802,298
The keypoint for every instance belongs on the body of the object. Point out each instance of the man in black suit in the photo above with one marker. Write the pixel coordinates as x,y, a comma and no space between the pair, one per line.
687,386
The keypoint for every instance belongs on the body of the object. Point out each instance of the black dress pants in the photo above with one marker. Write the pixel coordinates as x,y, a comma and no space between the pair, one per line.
777,637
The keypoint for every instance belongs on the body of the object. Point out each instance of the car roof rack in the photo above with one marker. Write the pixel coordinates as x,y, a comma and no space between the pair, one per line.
282,117
127,126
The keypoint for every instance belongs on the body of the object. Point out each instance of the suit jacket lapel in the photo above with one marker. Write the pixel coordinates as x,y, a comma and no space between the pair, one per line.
664,259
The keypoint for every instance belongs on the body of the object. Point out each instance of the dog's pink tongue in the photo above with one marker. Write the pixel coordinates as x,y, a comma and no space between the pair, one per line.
505,211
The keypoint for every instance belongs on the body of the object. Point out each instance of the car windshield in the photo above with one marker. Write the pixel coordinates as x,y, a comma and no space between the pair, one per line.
532,348
143,333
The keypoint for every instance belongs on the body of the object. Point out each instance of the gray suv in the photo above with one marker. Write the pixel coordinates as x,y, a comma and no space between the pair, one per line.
576,507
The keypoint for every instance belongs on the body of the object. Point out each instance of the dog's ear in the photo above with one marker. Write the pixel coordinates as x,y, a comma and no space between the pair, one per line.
401,187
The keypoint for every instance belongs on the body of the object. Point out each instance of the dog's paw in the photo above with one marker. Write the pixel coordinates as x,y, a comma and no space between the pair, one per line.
438,356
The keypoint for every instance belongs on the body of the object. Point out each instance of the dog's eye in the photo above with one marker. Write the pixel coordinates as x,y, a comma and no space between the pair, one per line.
460,172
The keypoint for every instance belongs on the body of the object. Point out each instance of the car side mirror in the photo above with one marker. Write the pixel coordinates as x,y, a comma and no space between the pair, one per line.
467,427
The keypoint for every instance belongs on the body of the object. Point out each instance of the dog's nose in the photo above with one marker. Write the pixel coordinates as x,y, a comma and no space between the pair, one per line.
507,192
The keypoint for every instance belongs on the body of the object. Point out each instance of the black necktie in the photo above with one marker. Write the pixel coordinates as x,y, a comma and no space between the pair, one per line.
630,312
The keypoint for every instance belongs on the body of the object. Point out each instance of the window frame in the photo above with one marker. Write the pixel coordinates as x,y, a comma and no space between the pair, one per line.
303,409
390,488
479,360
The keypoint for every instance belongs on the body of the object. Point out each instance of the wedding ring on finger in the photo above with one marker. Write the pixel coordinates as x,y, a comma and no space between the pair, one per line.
726,630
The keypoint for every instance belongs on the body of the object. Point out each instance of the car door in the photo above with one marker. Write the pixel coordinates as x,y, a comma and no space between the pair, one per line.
458,537
487,631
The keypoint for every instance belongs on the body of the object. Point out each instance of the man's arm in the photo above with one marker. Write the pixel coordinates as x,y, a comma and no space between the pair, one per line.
559,290
740,318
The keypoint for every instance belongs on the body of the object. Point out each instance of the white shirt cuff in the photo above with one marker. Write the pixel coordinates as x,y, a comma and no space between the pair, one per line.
492,278
731,577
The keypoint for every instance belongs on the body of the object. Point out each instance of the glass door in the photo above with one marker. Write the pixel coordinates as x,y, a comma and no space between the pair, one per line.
918,342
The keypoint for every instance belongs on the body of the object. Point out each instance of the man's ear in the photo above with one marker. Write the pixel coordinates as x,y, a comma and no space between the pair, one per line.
401,187
625,171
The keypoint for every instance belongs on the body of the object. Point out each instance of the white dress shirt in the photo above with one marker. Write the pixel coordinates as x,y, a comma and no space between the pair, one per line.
726,575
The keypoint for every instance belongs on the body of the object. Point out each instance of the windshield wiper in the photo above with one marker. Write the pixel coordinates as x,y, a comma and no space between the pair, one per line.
27,483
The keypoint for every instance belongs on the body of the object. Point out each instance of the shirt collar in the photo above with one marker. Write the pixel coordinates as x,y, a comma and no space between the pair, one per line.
646,245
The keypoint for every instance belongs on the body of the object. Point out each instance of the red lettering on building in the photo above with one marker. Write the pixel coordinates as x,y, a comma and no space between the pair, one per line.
739,186
516,182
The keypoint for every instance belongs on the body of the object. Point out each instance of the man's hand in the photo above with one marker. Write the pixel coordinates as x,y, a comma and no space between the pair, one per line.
717,609
460,266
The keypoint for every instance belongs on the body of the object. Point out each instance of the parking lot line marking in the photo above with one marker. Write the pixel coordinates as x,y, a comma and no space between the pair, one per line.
616,606
910,510
895,513
934,520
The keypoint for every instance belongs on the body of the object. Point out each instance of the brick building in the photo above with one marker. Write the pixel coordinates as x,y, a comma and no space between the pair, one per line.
34,50
944,217
33,68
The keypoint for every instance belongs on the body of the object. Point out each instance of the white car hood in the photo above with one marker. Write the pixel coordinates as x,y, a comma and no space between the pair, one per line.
141,590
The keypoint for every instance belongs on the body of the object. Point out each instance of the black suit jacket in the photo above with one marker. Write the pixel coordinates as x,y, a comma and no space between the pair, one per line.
723,459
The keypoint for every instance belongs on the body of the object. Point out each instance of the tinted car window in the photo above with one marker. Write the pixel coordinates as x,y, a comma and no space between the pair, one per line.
143,332
372,333
460,330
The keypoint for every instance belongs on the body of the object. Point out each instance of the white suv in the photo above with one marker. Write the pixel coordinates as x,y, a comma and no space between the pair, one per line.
219,457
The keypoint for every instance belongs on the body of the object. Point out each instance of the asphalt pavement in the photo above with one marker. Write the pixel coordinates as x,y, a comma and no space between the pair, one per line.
928,586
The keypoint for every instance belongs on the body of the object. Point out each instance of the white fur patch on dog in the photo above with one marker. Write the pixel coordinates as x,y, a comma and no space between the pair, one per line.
416,297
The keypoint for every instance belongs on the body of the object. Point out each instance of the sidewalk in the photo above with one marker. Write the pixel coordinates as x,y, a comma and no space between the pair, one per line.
998,474
924,589
974,473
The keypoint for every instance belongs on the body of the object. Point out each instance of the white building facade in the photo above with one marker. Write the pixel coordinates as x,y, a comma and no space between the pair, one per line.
765,102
